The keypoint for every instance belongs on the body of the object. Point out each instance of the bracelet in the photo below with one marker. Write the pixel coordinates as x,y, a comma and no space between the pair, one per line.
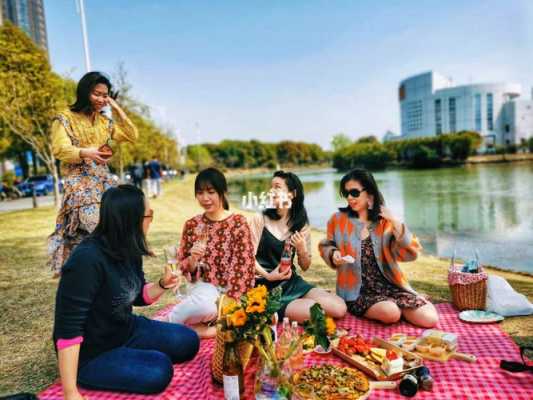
160,285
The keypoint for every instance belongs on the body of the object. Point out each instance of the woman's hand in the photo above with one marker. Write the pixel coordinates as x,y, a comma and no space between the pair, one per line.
168,280
298,240
113,103
276,275
94,154
397,225
337,258
197,252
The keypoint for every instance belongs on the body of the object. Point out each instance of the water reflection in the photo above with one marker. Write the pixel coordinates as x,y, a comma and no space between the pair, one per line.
488,207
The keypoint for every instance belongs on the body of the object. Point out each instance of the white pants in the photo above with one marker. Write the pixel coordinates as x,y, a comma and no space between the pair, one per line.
155,187
147,187
200,306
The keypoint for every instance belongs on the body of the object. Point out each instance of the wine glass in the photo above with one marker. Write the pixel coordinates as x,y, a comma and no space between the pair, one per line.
181,289
171,255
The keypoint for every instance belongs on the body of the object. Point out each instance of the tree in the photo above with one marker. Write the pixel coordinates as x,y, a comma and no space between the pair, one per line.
31,95
340,141
198,157
368,139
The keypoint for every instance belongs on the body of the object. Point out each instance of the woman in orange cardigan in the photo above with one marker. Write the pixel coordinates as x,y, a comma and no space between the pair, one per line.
364,244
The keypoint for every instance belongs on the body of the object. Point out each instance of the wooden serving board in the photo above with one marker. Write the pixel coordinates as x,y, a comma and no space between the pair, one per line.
373,370
378,385
446,356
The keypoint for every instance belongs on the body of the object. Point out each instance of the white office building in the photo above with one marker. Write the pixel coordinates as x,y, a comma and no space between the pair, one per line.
430,105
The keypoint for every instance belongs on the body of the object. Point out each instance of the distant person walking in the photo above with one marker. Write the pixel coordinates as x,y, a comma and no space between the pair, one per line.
155,177
146,181
80,139
137,174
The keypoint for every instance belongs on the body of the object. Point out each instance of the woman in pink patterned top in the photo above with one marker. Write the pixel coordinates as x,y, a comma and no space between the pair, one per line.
216,253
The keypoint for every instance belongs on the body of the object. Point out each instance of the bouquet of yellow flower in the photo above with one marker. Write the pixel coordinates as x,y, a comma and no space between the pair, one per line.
246,319
241,322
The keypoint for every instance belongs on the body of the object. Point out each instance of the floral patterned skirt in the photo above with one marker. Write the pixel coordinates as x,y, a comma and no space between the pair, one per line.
376,288
83,187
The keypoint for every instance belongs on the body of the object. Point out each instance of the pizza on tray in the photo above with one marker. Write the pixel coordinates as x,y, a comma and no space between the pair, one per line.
328,382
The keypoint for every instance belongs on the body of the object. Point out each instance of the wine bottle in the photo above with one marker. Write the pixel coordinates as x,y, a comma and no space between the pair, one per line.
232,373
284,339
297,359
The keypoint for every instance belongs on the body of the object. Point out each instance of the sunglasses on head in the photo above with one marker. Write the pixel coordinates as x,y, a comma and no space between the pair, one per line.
353,192
513,366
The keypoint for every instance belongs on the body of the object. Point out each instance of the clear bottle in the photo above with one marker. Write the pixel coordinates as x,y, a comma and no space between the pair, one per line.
284,339
232,373
297,358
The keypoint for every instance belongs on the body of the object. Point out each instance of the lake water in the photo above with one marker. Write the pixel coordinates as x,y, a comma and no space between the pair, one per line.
485,207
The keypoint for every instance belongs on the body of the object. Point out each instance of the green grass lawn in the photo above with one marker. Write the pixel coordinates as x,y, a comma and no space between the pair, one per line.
27,359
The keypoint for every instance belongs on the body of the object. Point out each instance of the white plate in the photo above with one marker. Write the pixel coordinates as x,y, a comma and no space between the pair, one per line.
480,317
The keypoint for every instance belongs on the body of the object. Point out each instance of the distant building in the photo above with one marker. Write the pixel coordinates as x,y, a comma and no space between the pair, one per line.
28,15
390,137
430,105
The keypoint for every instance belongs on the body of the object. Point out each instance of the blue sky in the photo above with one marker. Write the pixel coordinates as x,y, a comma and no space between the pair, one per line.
293,69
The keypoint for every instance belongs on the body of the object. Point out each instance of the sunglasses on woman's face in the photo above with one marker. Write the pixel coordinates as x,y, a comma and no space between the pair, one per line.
513,366
353,192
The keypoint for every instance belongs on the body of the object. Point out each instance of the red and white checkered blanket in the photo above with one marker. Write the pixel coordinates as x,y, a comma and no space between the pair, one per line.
453,379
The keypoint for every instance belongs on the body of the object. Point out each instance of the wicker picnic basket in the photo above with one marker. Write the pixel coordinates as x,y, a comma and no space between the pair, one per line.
244,349
469,290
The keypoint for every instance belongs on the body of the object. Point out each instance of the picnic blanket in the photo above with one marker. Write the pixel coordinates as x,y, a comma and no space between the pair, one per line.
453,379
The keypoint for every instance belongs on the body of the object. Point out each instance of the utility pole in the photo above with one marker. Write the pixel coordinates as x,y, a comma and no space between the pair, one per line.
81,9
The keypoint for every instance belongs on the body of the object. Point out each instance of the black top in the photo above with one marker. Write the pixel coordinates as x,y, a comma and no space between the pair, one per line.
270,250
95,298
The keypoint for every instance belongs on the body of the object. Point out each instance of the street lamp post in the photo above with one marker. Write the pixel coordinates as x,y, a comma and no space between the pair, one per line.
81,10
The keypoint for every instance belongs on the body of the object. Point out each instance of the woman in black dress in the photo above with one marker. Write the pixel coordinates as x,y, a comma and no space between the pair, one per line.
287,223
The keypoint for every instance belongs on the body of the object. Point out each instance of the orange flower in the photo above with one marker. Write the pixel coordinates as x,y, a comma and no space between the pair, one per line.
258,293
238,318
331,327
256,304
228,309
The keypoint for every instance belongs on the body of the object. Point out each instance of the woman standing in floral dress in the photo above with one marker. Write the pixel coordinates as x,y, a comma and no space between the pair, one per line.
80,139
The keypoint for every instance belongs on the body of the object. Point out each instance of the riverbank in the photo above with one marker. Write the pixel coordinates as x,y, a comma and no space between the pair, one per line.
499,158
27,359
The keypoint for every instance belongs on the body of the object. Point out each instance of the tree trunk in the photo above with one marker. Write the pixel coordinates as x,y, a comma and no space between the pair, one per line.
34,163
52,166
23,164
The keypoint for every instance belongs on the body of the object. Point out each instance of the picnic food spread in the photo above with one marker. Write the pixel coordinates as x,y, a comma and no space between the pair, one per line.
379,359
432,345
328,382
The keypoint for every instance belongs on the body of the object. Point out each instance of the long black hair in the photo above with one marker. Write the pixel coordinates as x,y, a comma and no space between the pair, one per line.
212,178
367,181
297,214
120,228
84,89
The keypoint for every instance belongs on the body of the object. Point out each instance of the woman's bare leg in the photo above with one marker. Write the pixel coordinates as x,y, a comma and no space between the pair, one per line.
384,311
333,305
425,316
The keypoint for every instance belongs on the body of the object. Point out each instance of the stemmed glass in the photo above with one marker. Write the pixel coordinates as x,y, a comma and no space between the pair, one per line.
182,288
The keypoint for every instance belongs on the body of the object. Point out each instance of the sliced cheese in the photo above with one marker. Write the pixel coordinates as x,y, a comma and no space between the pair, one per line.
378,351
